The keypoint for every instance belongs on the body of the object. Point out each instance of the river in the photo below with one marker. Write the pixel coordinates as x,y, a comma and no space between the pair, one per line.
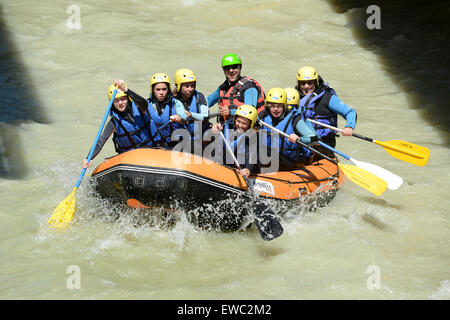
56,69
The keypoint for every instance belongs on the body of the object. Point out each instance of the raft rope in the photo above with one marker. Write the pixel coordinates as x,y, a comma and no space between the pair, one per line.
313,180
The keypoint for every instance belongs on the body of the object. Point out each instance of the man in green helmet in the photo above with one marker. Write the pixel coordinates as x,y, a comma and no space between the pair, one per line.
236,89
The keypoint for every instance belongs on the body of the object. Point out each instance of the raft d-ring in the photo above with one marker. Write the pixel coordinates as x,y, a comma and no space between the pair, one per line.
161,183
139,181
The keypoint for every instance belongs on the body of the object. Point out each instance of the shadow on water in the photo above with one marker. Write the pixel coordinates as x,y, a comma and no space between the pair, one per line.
18,104
412,45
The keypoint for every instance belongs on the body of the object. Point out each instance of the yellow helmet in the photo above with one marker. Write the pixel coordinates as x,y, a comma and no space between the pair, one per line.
247,111
119,92
157,78
293,97
277,95
183,76
307,73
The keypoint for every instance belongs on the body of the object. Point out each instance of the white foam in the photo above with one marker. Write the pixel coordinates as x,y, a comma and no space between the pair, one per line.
443,293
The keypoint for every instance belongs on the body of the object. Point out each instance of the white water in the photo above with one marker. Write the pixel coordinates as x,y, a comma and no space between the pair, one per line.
322,255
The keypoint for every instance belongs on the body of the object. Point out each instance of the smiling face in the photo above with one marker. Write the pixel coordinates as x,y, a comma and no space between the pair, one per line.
232,72
160,91
241,124
307,86
275,109
121,103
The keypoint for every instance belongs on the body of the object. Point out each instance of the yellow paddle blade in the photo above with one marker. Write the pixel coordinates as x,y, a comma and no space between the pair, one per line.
64,212
364,179
406,151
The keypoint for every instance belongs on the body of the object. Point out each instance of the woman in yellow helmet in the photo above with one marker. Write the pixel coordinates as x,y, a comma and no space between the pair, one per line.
293,98
320,102
162,106
243,121
194,102
131,125
290,121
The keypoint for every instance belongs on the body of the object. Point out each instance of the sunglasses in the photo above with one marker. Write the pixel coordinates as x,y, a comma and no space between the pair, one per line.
233,66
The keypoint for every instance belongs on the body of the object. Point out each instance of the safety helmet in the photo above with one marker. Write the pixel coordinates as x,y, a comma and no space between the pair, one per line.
119,92
157,78
247,111
277,95
183,76
231,59
307,73
293,97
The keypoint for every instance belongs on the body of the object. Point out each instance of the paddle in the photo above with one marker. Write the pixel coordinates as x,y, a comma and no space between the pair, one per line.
393,180
63,214
403,150
164,125
214,114
357,175
266,222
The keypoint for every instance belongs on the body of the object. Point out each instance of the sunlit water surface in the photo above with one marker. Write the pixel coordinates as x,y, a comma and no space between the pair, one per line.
327,254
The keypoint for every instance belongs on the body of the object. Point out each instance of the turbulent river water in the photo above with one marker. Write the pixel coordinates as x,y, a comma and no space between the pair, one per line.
55,69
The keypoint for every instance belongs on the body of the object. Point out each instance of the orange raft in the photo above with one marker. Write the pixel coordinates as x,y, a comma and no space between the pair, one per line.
213,196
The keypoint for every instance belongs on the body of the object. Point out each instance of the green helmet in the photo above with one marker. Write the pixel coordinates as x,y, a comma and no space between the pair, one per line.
230,59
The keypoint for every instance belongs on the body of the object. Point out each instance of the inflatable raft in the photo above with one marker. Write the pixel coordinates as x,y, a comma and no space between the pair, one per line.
213,196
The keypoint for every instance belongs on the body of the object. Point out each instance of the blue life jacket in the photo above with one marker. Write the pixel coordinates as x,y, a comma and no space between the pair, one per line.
141,131
245,154
190,126
291,151
167,111
316,106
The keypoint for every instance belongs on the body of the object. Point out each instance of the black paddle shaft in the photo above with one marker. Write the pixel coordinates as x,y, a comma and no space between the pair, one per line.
317,152
362,137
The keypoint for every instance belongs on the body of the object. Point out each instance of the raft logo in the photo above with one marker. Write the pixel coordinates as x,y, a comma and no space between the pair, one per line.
374,280
373,21
264,186
74,21
74,280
